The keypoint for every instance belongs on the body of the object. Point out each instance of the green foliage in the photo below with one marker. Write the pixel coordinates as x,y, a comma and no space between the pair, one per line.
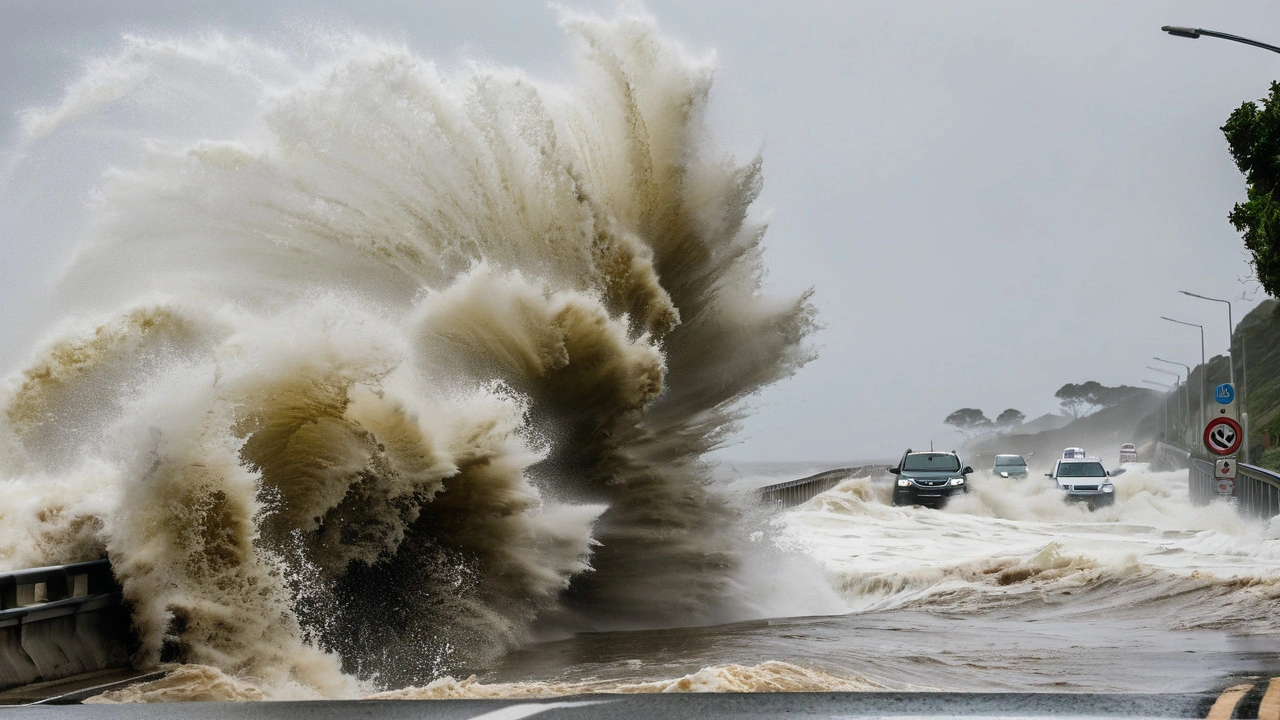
1257,342
1010,418
968,420
1253,136
1087,397
1074,398
1270,459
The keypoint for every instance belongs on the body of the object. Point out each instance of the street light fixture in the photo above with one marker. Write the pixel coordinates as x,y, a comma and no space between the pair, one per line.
1231,360
1194,33
1158,407
1176,380
1202,366
1186,392
1231,328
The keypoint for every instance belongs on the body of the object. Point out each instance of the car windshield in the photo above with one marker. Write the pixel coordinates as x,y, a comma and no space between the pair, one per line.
1081,469
1010,461
931,461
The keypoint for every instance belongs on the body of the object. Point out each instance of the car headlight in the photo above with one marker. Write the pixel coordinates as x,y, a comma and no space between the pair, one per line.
1108,488
957,481
1004,474
903,482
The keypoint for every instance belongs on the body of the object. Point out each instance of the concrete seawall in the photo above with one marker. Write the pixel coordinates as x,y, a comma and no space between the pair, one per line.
60,621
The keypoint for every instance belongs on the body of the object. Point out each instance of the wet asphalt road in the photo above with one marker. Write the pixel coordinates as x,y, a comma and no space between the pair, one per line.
1245,700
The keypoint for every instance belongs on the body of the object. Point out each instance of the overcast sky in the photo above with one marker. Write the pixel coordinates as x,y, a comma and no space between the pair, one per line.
990,198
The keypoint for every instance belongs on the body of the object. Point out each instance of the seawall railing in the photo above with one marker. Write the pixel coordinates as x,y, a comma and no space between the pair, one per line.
1255,490
795,492
60,621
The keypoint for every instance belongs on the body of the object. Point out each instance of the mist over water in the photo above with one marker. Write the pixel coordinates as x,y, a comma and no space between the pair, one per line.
369,370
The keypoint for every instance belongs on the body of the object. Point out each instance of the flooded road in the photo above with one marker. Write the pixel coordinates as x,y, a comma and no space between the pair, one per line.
1006,589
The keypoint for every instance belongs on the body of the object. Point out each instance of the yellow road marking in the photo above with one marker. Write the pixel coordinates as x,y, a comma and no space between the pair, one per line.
1227,701
1270,707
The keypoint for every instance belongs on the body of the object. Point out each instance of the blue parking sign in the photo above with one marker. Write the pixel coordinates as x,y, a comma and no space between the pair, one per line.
1225,394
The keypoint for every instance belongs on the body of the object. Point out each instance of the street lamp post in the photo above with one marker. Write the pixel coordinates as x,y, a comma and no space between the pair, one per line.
1176,380
1160,407
1202,366
1231,328
1194,33
1186,391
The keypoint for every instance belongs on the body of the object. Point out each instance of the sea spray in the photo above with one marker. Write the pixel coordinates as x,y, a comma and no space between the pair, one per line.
391,365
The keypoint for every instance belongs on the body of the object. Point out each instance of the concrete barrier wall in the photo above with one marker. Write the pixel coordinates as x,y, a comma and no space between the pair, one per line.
61,621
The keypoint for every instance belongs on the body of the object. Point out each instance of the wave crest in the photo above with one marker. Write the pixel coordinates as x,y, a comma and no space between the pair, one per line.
407,364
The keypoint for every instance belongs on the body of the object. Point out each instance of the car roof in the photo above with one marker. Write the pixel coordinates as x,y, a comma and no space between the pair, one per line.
1080,460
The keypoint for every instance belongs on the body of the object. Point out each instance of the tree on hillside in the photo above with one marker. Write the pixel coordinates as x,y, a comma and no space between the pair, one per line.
1076,399
1253,135
969,420
1010,418
1089,397
1111,396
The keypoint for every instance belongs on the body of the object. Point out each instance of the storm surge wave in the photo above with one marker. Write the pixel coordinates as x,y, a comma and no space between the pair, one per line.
374,369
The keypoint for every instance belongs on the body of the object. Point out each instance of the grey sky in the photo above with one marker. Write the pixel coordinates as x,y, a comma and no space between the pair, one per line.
991,198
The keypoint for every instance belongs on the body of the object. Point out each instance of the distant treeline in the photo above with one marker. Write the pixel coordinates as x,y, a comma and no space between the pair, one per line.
1077,400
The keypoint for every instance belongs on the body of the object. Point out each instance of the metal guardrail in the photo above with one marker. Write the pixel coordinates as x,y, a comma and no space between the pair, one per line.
60,621
1201,485
795,492
1256,490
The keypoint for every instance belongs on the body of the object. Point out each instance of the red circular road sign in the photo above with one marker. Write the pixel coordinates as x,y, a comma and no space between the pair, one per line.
1222,436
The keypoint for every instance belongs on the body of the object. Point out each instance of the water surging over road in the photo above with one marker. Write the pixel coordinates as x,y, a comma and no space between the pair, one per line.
1012,547
371,366
1006,589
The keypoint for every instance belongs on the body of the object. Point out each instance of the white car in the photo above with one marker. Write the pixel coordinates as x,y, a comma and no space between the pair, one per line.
1085,480
1073,453
1128,453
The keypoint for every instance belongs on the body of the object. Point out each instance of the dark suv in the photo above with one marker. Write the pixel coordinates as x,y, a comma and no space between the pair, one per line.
929,478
